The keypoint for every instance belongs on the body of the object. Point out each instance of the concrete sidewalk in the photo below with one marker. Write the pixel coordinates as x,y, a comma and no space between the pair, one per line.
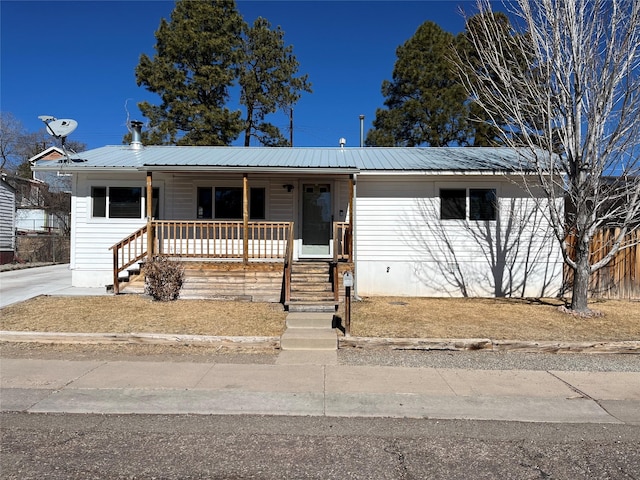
318,388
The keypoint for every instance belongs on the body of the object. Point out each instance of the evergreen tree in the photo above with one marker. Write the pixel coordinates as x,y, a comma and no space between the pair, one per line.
192,70
201,53
426,103
267,81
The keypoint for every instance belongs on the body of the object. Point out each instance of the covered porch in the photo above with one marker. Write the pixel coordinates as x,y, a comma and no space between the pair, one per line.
312,233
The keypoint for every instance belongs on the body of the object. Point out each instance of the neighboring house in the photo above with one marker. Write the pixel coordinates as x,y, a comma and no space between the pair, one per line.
34,213
407,221
7,222
57,180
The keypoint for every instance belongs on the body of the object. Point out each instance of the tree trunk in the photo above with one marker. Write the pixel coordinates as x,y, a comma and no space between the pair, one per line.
581,274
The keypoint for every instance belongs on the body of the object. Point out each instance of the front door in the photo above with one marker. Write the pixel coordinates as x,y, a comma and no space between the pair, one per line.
316,220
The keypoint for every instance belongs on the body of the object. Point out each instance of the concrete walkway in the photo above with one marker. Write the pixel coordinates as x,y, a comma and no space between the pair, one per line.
20,285
317,389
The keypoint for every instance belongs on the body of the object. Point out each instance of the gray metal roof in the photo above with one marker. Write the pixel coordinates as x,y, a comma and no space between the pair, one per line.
344,160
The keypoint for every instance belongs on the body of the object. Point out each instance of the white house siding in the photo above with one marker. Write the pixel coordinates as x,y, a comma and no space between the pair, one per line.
403,248
7,220
91,238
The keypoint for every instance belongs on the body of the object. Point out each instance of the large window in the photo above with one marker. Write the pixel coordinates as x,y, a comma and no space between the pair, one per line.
226,203
121,202
482,203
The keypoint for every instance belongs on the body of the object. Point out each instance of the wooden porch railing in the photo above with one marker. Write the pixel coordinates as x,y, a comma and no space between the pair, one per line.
223,240
204,239
288,266
213,239
127,252
342,244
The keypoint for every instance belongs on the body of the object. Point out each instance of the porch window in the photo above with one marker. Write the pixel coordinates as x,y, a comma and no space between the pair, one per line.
121,202
482,204
226,203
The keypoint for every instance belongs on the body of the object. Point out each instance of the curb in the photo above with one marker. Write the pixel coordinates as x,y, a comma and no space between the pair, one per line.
273,343
487,344
227,342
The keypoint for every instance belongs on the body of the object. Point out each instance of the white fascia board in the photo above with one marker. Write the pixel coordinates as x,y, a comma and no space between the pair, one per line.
436,172
290,170
59,167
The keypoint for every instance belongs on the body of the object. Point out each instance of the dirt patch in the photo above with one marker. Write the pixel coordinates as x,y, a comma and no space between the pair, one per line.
498,319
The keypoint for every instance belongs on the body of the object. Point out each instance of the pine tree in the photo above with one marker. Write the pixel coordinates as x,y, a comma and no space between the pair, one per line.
426,104
201,54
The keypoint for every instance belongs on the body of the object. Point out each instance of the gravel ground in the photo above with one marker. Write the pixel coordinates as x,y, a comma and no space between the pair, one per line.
486,360
480,360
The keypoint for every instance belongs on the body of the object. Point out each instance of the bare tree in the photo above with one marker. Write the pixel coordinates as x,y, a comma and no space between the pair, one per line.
574,105
11,133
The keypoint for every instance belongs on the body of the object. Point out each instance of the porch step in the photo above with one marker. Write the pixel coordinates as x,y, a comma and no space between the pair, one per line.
311,287
311,306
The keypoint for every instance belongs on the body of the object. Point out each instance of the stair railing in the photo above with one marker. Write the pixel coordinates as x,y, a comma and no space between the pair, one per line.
288,265
127,252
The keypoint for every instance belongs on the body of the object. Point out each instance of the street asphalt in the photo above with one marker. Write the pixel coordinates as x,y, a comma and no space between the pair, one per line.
301,384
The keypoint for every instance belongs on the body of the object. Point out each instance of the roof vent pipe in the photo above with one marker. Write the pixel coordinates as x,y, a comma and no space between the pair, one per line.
136,134
361,131
343,142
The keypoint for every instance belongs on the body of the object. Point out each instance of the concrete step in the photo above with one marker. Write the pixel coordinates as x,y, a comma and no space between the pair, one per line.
307,357
309,339
310,320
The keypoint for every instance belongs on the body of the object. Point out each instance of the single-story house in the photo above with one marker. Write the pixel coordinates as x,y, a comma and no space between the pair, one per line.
7,221
405,221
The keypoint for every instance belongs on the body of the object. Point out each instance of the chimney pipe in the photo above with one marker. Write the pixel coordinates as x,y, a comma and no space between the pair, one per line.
342,142
136,134
361,131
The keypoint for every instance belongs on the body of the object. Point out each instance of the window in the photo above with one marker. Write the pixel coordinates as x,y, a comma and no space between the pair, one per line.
122,202
99,196
453,204
226,203
205,203
125,202
257,204
482,204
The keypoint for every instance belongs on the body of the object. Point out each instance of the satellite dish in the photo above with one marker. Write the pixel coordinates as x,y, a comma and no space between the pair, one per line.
61,128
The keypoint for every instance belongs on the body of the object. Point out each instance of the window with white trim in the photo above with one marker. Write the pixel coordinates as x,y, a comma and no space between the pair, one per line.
225,203
122,202
480,203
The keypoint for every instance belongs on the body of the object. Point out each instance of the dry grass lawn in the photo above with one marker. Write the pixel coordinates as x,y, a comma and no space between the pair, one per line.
499,319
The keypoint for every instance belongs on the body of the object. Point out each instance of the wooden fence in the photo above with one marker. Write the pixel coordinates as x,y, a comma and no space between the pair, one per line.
620,278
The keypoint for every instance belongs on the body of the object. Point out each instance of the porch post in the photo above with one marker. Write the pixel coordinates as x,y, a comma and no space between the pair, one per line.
245,218
149,202
350,236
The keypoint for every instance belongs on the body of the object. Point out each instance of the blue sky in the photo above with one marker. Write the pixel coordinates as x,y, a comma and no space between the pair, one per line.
76,59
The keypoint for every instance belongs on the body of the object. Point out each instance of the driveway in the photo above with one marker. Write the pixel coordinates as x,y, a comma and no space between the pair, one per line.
20,285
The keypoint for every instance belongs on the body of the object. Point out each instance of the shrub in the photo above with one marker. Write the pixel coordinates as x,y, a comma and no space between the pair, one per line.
163,278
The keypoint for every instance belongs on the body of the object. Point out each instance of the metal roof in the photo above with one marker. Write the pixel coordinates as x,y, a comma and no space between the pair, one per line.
336,159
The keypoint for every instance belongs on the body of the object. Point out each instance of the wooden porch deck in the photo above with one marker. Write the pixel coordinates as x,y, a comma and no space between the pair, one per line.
250,261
